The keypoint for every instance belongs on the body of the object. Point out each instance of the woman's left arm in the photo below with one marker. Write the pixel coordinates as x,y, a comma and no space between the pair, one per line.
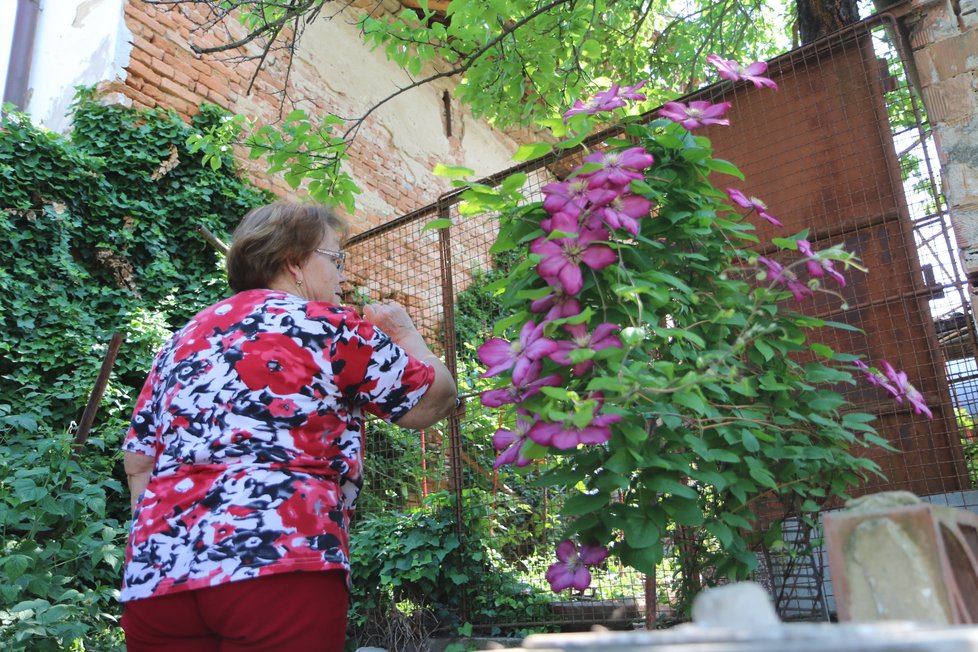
138,469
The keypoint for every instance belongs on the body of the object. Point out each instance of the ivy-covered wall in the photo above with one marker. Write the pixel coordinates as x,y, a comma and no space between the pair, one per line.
100,233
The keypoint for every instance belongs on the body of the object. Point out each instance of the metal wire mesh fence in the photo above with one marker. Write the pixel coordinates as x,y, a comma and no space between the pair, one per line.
841,151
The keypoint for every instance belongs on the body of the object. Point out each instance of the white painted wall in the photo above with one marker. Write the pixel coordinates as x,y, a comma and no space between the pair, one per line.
8,12
78,42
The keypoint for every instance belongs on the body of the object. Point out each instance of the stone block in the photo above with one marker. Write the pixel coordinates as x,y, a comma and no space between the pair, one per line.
961,185
926,70
951,101
742,605
893,557
955,56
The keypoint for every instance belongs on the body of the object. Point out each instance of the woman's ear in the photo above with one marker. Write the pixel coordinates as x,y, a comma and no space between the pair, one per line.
294,268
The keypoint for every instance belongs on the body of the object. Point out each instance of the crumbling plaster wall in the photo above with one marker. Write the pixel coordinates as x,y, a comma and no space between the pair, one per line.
944,39
78,42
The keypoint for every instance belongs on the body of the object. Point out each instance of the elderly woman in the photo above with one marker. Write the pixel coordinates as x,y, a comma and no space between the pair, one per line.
244,454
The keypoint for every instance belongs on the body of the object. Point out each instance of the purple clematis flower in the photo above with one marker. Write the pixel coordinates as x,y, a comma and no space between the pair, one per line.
628,93
562,258
501,356
730,69
620,211
509,443
569,197
569,571
558,305
818,267
785,277
905,390
530,385
601,338
696,114
564,436
875,378
617,168
608,100
752,203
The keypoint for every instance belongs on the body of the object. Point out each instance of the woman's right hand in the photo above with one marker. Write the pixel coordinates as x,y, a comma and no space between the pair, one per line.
392,318
439,400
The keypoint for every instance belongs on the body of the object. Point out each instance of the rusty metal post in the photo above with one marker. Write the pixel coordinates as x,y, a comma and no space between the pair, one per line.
651,601
88,416
450,353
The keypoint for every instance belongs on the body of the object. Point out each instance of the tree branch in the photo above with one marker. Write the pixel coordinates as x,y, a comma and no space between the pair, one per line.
465,65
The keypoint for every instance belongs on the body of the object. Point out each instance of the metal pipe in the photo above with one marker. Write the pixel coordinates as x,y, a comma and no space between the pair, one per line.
21,53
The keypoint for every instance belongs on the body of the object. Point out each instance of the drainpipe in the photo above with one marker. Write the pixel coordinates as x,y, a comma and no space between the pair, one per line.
21,53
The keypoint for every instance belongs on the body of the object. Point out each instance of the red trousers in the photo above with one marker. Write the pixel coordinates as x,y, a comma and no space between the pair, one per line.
298,612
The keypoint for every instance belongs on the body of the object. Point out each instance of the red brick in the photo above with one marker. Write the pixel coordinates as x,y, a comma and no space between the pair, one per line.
139,70
210,82
182,65
180,91
217,98
140,99
147,51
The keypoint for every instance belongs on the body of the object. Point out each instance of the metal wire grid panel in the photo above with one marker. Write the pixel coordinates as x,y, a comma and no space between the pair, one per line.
840,150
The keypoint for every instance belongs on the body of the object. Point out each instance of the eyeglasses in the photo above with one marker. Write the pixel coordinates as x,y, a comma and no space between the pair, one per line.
339,258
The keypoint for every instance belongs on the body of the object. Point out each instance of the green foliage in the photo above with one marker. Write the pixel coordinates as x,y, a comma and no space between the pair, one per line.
101,233
63,539
423,559
521,61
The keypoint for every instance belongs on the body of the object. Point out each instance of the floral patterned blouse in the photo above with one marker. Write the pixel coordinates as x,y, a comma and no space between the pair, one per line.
254,413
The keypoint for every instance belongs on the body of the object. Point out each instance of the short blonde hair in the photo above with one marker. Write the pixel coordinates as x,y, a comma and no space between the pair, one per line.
270,237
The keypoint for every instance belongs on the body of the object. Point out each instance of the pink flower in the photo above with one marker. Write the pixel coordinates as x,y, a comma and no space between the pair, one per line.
818,267
501,356
622,211
752,203
530,385
570,569
730,69
565,436
628,93
875,378
785,277
905,390
509,443
601,338
558,305
608,100
696,114
562,257
617,168
566,196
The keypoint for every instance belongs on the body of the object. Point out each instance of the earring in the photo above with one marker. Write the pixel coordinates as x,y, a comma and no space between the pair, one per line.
298,283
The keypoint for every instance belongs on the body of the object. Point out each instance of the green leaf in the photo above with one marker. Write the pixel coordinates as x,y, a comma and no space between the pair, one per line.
640,531
584,504
532,151
452,171
721,531
667,486
643,560
684,512
725,167
440,223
